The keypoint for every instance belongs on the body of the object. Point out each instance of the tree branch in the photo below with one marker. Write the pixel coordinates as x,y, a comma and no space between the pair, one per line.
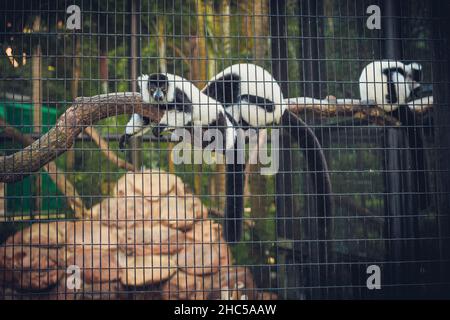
62,183
86,111
349,108
83,113
332,107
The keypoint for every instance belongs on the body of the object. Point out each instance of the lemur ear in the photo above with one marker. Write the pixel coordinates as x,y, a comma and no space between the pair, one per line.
142,80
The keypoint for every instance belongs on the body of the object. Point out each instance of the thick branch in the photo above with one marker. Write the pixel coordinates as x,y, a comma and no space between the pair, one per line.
332,107
83,113
349,108
62,183
86,111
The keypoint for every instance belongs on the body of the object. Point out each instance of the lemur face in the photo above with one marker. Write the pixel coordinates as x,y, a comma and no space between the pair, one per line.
158,86
155,88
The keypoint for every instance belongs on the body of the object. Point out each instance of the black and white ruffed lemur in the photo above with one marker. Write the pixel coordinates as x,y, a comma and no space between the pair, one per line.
242,95
391,85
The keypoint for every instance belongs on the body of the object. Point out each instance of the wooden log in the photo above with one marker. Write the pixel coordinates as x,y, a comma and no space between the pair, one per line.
332,107
350,108
86,111
62,183
83,113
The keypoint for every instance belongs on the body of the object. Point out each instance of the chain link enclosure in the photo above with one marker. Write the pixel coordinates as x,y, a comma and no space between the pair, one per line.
97,222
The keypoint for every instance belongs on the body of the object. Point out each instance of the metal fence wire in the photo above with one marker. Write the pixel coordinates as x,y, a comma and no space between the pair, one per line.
118,120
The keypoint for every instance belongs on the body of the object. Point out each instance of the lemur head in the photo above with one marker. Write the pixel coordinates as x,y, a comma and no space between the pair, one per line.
155,88
185,105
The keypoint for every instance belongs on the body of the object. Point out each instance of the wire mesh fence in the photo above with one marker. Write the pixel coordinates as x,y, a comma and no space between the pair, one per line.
334,114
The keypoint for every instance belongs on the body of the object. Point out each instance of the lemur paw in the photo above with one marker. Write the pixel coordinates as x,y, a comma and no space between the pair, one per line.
123,141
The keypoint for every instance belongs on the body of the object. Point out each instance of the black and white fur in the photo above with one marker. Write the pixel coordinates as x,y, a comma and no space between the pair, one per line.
389,83
185,106
248,96
252,96
154,90
249,93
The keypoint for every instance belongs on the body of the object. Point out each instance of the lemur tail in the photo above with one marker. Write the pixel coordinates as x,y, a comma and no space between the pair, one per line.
315,159
234,205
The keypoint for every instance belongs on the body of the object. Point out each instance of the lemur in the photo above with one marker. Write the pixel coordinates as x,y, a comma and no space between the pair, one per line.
255,99
184,105
248,96
391,85
388,83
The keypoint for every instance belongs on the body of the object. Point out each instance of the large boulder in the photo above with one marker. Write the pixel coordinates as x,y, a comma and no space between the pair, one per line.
145,239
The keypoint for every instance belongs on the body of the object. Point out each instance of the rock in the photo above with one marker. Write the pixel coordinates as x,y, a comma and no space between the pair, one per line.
230,283
206,231
90,235
30,267
179,212
95,291
124,212
267,296
236,283
149,183
40,234
146,270
176,212
95,265
143,240
199,259
184,286
150,196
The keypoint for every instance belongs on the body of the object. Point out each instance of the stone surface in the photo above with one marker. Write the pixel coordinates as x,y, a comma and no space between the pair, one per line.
29,267
146,270
145,239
